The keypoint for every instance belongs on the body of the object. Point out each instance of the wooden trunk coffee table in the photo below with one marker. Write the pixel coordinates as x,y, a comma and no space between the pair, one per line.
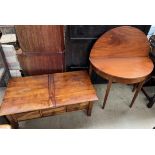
46,95
121,55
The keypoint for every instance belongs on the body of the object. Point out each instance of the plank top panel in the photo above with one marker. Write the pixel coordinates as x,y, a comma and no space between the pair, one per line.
124,41
37,38
47,91
26,94
122,53
131,68
73,87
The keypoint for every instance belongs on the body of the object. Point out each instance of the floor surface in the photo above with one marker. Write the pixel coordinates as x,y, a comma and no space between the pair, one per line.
116,115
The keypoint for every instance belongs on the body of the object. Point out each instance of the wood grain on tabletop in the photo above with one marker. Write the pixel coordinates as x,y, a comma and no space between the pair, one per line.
32,93
124,41
73,87
131,68
26,94
122,52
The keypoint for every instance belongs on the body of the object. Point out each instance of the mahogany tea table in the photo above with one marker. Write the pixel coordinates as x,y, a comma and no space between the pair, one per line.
46,95
121,55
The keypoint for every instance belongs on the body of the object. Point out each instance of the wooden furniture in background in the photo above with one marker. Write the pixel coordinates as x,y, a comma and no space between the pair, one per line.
46,95
42,48
121,55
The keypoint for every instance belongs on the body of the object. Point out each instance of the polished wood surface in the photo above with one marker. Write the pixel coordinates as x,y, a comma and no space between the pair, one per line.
136,93
73,87
107,92
133,69
121,55
42,64
25,94
42,48
40,38
46,95
124,41
79,40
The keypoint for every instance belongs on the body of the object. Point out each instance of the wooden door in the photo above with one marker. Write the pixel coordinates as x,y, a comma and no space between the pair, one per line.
42,48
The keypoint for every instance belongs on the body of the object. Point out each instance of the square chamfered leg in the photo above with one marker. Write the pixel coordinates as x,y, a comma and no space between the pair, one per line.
13,122
134,87
136,93
107,93
89,110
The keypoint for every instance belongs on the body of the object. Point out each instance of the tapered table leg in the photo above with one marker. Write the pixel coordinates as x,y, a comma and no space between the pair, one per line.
134,87
107,93
151,101
136,93
89,110
13,123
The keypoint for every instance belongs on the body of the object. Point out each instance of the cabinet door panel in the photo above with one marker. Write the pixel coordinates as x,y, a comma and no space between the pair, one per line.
35,65
42,48
45,38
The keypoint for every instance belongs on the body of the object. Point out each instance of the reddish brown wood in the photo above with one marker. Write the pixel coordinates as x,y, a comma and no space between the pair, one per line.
124,70
136,93
107,92
75,107
41,38
121,42
27,115
42,48
36,65
121,55
26,94
51,87
53,111
89,110
73,87
13,121
45,95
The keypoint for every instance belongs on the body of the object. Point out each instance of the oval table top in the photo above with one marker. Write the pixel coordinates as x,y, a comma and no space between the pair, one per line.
122,54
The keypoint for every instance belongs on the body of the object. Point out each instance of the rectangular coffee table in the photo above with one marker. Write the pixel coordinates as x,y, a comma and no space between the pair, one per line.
46,95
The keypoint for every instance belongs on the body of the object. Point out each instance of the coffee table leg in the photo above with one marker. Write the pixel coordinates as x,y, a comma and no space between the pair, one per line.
13,123
107,93
89,110
136,93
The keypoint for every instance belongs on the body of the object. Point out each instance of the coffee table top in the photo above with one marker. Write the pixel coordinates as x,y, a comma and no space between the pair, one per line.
73,87
25,94
122,53
31,93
